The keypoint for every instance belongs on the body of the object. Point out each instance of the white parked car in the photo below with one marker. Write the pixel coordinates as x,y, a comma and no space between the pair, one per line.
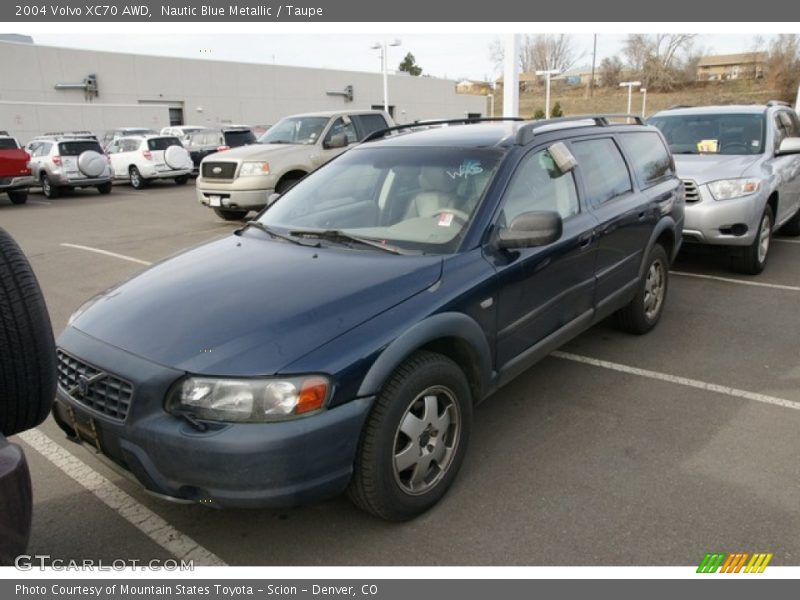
141,159
182,132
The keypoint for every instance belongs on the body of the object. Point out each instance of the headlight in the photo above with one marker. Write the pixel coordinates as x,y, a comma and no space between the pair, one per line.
249,400
249,169
726,189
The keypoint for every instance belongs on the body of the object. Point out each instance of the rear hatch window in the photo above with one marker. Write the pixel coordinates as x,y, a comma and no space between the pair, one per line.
163,143
239,137
77,148
7,144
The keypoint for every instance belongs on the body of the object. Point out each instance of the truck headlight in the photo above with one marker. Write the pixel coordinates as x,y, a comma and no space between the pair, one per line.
727,189
249,400
251,169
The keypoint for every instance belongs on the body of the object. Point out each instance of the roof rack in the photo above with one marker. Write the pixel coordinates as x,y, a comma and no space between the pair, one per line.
676,106
68,134
381,133
777,103
526,132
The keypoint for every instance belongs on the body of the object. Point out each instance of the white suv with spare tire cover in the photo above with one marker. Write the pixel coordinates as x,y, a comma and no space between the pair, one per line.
142,159
68,162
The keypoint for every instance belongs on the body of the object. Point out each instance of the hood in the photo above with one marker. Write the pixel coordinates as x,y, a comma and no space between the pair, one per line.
245,306
256,151
703,168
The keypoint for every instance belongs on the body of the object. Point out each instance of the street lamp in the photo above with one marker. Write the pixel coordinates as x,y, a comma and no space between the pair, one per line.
644,101
630,85
383,47
547,89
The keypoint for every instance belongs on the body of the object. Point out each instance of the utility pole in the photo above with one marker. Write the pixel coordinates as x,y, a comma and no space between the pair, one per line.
594,61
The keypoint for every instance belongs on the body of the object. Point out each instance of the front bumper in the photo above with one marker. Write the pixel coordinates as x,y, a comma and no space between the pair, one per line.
723,222
233,199
16,500
229,465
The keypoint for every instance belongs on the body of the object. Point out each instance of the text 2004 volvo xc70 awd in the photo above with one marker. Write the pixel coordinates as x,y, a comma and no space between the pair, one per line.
341,339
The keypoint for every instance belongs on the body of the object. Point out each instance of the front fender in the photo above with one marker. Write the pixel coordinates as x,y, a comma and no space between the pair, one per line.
442,325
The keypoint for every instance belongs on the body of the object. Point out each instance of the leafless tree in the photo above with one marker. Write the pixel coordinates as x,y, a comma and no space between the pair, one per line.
659,59
610,72
539,52
783,64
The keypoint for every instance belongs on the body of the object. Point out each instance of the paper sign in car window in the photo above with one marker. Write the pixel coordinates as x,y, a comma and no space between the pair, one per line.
708,146
445,219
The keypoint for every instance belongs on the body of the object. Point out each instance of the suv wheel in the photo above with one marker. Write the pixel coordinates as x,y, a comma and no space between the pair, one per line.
18,196
181,179
753,258
104,188
230,215
644,311
137,181
414,440
28,368
48,189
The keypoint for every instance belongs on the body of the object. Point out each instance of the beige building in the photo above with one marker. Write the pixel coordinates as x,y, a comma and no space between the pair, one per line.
746,65
44,88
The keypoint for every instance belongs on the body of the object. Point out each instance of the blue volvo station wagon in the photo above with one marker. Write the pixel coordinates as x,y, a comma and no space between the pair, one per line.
341,339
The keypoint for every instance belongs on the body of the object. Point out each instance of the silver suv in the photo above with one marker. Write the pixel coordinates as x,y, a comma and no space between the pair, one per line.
69,161
241,179
740,166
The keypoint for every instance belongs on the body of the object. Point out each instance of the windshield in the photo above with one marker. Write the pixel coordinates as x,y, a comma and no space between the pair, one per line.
713,134
418,199
295,130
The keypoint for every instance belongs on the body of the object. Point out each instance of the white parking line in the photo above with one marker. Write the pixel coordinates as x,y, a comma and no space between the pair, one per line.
107,253
42,202
785,241
154,527
685,381
775,286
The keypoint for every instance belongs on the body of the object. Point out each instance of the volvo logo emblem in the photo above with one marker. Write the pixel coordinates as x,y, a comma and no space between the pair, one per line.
216,170
82,386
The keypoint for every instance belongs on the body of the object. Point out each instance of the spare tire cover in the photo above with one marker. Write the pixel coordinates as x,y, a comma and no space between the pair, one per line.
91,163
177,157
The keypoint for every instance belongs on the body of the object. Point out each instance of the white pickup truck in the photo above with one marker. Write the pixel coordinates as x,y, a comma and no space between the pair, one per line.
237,181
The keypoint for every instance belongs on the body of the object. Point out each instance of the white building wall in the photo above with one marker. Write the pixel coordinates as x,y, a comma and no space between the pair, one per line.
215,92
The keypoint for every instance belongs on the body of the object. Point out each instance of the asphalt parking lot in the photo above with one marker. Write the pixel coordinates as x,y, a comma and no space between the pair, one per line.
619,450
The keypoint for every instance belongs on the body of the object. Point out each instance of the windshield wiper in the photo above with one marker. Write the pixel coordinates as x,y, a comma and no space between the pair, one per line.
281,236
337,235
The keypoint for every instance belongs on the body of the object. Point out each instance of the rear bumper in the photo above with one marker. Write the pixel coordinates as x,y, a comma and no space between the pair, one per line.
16,502
152,173
9,184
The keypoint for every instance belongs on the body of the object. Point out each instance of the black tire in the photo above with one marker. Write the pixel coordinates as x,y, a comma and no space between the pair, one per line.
751,260
104,188
181,179
792,226
48,189
18,196
137,181
28,366
644,311
377,486
284,185
230,215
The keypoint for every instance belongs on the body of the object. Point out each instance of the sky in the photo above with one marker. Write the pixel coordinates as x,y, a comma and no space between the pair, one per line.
453,56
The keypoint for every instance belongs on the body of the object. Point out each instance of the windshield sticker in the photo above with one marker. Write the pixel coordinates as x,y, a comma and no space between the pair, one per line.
445,219
467,168
708,146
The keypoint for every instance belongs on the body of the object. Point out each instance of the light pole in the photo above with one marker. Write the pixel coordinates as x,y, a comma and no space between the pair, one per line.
630,85
491,103
644,101
547,89
383,47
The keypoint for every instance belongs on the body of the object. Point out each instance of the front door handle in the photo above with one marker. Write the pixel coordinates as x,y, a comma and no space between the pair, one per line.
585,239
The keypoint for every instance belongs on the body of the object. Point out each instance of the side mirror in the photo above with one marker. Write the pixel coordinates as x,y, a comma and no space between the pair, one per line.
531,229
335,141
789,145
272,198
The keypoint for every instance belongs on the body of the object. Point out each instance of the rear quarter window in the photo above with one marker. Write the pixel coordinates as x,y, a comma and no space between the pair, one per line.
163,143
603,170
648,156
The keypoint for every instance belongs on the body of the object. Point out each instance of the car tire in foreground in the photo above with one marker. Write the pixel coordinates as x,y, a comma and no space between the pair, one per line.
644,311
415,438
27,368
18,196
753,258
230,215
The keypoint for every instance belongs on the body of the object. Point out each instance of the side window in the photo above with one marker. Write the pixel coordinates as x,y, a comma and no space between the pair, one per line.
32,148
128,145
43,149
786,127
603,170
339,126
370,123
539,185
648,156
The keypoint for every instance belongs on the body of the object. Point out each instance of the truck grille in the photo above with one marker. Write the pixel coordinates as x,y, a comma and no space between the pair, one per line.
692,194
96,389
219,170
